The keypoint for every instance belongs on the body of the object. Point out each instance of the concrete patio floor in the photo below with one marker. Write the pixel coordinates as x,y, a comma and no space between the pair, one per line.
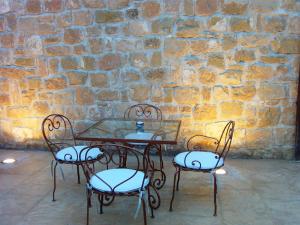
262,192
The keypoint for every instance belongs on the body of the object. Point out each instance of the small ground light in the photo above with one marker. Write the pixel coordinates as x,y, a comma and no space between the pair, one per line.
221,171
8,161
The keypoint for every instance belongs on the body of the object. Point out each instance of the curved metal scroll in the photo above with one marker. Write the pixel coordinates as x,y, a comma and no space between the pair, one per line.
143,111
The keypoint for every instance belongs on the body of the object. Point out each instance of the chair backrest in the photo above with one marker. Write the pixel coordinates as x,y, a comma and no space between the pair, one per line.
220,146
114,156
225,140
143,111
58,132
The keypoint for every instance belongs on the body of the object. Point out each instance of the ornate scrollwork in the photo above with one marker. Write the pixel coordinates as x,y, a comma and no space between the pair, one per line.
143,111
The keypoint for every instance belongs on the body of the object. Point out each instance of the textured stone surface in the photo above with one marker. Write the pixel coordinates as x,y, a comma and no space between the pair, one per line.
201,61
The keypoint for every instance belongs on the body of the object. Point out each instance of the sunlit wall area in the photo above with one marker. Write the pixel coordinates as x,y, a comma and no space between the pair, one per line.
200,61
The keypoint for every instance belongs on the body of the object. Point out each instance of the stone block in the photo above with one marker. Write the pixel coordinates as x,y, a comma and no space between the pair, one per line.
55,83
288,115
51,40
294,25
176,47
106,16
4,99
24,61
58,50
273,59
206,7
156,59
259,138
94,3
97,45
268,116
82,18
132,13
7,41
217,24
70,63
117,4
84,96
110,62
63,98
73,36
199,47
230,110
260,72
140,92
89,63
243,93
264,6
155,75
234,8
34,83
33,6
286,45
76,77
138,28
229,42
216,60
139,60
150,9
221,93
181,93
18,112
99,80
151,43
108,95
274,24
172,6
15,73
41,108
244,56
240,25
188,8
188,28
53,5
205,112
268,91
207,76
163,25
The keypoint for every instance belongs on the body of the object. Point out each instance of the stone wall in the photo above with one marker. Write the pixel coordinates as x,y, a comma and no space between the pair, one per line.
200,61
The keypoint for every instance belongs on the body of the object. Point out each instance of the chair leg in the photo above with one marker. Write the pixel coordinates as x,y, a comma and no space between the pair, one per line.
78,174
100,198
215,193
177,185
174,185
54,182
149,202
88,205
144,211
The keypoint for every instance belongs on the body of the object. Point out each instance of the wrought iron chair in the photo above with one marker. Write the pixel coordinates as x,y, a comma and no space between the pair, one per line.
59,136
116,179
143,111
198,160
148,112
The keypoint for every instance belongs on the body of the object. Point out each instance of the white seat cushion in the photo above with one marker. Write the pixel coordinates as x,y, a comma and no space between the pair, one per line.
72,153
198,160
113,177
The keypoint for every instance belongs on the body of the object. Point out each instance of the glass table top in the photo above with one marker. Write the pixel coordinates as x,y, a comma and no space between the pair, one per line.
137,131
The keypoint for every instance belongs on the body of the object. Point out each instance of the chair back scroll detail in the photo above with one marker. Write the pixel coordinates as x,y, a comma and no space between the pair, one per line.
219,146
58,132
114,156
143,111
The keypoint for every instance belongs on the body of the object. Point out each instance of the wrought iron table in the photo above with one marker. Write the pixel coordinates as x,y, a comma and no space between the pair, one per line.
153,135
